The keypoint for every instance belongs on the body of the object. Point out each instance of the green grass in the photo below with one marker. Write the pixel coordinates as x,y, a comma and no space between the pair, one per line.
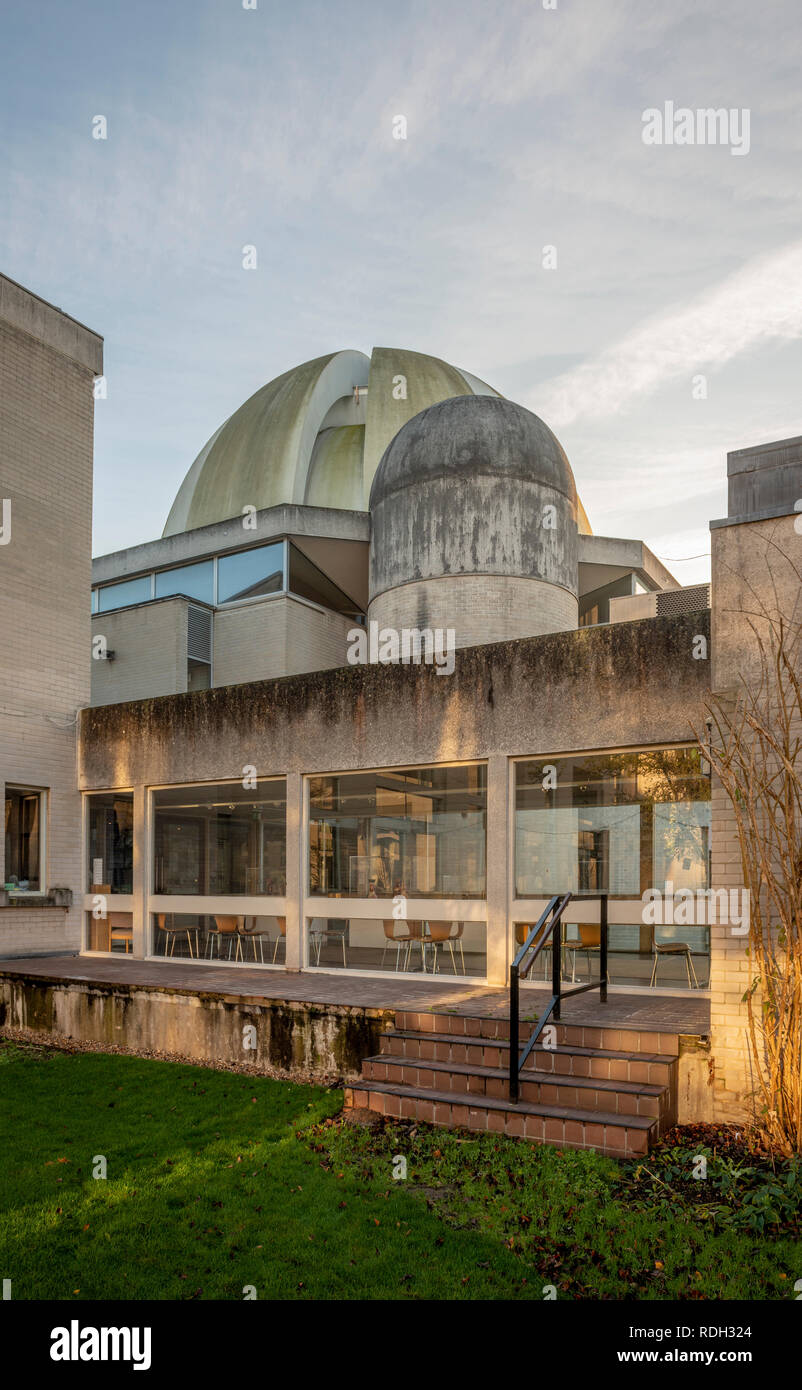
217,1181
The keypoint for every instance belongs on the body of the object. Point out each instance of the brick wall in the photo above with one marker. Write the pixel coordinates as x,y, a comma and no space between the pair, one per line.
150,652
47,363
480,608
279,637
752,563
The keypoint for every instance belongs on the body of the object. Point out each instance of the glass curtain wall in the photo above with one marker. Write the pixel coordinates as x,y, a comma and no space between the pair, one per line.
619,823
220,841
394,836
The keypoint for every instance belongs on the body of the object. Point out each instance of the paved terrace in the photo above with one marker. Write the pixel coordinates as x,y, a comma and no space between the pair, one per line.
670,1013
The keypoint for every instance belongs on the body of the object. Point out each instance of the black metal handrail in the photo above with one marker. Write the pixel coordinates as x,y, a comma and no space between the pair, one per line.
549,926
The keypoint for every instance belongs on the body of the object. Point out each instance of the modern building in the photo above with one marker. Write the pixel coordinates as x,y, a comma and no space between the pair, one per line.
48,363
289,765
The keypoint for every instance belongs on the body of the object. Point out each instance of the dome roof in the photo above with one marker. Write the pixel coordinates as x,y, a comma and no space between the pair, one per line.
484,436
314,435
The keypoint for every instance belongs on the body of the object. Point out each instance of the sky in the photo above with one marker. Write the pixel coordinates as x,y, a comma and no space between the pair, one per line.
668,332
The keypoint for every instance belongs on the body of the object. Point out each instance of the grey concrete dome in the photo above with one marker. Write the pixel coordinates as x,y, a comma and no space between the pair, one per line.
474,519
473,435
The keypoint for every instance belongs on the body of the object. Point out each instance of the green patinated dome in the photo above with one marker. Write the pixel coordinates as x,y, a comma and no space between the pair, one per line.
314,435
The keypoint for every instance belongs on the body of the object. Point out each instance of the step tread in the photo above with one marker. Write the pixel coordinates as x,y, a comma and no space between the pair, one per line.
473,1102
475,1041
548,1078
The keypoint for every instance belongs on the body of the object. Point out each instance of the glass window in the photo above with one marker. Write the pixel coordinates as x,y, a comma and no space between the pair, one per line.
94,600
121,595
403,945
618,823
420,831
251,573
196,581
23,840
214,840
111,842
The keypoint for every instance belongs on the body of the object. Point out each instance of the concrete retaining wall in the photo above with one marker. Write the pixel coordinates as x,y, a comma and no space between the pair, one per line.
319,1039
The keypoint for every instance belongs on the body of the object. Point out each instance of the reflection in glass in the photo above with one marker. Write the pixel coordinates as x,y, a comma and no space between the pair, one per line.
221,839
251,573
194,581
421,831
121,595
617,823
22,842
111,841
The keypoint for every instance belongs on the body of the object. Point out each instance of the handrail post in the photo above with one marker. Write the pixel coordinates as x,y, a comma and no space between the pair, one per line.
513,1032
557,963
603,950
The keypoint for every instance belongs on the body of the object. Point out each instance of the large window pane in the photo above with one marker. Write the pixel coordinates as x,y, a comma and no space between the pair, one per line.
404,945
421,831
251,573
196,581
111,841
122,595
212,840
23,840
618,823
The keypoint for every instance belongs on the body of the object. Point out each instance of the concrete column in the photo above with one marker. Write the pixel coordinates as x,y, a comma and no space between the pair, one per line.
498,859
141,872
296,869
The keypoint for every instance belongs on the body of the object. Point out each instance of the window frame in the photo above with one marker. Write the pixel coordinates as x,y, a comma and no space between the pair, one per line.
42,794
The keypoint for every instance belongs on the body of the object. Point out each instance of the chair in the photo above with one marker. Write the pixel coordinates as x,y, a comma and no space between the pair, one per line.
522,930
230,927
443,934
282,927
672,948
417,937
400,941
121,928
318,935
254,934
171,931
589,941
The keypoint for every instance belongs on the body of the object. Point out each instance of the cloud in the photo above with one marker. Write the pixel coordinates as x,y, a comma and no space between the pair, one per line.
760,303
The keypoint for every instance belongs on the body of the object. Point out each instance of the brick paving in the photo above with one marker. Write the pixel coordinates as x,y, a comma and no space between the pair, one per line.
676,1013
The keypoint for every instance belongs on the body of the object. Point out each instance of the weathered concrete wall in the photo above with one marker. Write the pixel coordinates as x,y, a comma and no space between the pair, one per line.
607,687
319,1039
755,571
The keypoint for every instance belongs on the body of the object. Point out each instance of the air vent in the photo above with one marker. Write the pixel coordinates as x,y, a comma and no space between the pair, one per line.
672,602
199,634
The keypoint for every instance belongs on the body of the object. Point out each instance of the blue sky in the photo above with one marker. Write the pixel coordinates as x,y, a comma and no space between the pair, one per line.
273,127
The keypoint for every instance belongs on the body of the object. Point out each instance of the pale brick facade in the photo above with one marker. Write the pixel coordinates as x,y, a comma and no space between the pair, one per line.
753,564
278,637
47,364
479,607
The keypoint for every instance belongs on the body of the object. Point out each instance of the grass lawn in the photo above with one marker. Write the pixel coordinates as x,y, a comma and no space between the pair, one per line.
217,1181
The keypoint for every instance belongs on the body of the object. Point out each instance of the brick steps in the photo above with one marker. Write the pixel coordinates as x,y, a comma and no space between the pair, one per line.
578,1092
653,1068
609,1089
617,1135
